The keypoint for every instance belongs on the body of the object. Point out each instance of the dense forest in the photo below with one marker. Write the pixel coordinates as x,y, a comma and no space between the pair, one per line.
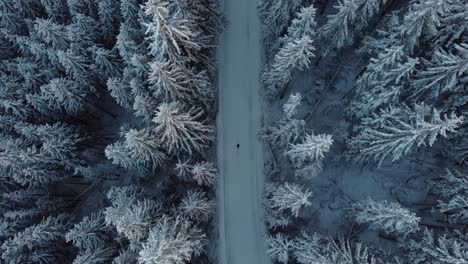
366,130
108,131
107,112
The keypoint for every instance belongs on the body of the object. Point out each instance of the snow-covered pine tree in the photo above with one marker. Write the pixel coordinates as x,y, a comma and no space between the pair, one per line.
351,19
175,81
314,249
446,73
55,10
144,147
41,243
121,199
180,130
108,62
275,17
183,169
273,218
303,24
95,253
130,213
423,20
307,249
128,42
429,248
452,26
197,207
119,155
66,94
290,108
170,80
173,240
337,29
383,81
396,135
57,142
312,150
121,92
52,33
90,231
204,173
279,247
384,216
109,16
171,35
295,54
452,190
288,130
135,221
126,256
288,196
75,65
130,12
309,171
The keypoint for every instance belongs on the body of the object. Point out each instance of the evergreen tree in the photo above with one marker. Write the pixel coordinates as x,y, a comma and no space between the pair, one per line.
303,24
173,240
95,253
109,16
447,73
119,155
183,169
452,189
41,243
308,249
57,11
170,80
273,218
66,94
179,131
121,92
288,130
275,17
204,173
338,30
171,35
197,207
312,150
290,108
126,256
75,65
108,62
423,19
279,247
428,248
385,216
313,249
135,221
295,55
90,231
288,196
129,10
145,148
398,134
53,34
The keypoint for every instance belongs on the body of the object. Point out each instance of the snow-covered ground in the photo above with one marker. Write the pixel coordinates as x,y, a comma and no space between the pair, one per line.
239,119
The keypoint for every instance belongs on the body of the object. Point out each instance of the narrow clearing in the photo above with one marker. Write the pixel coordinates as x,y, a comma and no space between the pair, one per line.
239,120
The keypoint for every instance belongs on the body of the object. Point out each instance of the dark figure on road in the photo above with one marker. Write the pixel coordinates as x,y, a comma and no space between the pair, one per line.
238,145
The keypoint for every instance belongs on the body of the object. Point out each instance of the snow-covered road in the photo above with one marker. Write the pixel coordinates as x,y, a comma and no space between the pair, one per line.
239,120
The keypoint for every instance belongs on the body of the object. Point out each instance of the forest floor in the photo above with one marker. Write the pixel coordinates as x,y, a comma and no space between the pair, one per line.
240,154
